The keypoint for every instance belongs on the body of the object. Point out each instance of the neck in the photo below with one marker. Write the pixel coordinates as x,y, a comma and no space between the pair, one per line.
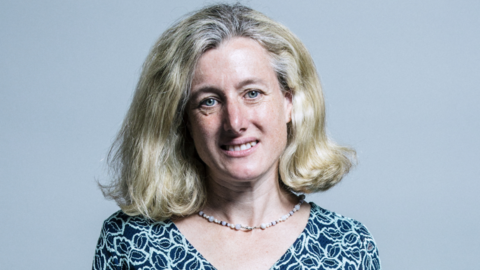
248,202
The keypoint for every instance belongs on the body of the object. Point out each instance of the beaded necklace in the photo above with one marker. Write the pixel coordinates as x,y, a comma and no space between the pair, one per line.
262,226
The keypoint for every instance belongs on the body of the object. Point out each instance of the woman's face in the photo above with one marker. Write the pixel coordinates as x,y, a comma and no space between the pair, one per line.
237,114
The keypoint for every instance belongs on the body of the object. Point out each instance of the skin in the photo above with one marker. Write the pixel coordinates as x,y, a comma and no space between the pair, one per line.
236,99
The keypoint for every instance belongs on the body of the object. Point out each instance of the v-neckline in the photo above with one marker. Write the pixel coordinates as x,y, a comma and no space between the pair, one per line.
292,246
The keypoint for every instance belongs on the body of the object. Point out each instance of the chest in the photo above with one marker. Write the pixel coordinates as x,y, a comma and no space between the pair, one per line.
244,250
226,248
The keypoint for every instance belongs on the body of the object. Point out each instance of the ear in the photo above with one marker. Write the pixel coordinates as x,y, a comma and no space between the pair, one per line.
288,106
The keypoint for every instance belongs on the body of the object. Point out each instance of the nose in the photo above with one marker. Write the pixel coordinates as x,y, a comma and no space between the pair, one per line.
235,118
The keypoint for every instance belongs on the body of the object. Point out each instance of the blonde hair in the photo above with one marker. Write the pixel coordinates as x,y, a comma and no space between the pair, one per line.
157,171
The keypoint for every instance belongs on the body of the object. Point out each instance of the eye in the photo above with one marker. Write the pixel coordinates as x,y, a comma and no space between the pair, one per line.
209,102
253,94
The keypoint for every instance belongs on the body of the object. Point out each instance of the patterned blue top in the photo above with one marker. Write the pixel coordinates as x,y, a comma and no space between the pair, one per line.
329,241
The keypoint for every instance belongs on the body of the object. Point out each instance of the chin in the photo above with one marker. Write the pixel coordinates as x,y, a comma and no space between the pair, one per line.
246,173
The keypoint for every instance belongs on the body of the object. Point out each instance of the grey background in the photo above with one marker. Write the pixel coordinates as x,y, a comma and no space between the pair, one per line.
401,80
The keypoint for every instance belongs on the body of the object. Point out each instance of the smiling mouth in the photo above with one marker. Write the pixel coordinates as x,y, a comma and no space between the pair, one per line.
239,147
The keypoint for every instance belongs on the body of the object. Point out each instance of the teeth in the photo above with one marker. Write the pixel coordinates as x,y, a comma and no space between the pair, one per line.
240,147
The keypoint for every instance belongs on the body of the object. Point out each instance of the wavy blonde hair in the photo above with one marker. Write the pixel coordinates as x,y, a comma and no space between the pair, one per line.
157,172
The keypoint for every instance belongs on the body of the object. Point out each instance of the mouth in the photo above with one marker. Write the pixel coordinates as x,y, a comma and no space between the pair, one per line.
239,147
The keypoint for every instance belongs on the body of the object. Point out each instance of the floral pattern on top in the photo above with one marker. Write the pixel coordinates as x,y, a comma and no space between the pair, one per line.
329,241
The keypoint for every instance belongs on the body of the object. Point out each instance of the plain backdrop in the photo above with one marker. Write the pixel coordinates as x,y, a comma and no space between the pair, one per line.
401,80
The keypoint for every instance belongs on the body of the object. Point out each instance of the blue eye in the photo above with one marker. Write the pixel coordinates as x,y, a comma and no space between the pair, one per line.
209,102
252,94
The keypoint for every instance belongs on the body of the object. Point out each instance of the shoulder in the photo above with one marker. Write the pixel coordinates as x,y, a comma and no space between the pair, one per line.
126,241
122,226
328,220
340,236
130,240
134,242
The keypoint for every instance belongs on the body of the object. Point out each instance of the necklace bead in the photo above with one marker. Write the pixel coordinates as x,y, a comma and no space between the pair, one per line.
263,226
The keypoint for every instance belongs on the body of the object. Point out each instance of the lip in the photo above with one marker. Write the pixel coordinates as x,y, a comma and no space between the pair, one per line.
241,153
239,141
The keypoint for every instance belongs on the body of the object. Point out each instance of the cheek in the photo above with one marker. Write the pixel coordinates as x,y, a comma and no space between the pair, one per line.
202,129
278,115
203,133
278,124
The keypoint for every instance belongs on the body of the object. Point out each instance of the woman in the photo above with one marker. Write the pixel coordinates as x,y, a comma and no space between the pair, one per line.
225,128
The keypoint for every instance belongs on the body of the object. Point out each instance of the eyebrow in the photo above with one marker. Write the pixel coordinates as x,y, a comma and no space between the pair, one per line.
249,81
209,88
204,89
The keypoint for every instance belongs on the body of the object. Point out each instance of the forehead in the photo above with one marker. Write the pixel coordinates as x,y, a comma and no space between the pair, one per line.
233,61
